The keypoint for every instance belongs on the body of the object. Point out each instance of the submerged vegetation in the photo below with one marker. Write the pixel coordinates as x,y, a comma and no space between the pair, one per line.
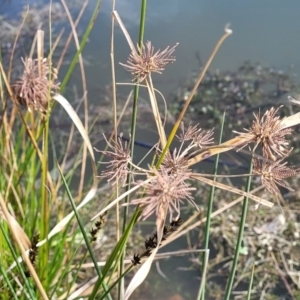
65,236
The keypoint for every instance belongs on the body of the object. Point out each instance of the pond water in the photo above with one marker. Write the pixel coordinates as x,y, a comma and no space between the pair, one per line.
265,31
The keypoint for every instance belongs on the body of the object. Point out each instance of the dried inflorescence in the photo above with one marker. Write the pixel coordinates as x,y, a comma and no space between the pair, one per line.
200,138
169,188
273,173
97,227
268,131
33,252
175,163
140,63
151,242
37,84
117,168
164,193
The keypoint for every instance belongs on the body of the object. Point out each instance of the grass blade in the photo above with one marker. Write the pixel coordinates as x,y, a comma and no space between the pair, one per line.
239,239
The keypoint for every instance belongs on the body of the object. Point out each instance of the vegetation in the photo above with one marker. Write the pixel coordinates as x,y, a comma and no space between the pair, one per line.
65,236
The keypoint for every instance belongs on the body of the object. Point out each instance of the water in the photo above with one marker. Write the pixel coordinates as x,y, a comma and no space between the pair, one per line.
263,31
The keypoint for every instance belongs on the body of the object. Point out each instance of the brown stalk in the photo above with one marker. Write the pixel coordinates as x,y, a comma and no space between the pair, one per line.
84,87
187,103
232,190
60,61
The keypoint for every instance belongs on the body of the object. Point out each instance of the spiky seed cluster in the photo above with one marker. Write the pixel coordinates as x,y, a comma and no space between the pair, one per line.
151,242
273,173
117,167
267,131
97,227
140,63
174,163
33,88
200,138
33,252
164,194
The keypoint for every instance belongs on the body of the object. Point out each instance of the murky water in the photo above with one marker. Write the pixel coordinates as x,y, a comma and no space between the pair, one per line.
263,31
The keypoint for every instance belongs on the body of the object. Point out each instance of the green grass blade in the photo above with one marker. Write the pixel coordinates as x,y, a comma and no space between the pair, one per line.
116,253
6,279
250,284
81,226
15,257
240,237
208,214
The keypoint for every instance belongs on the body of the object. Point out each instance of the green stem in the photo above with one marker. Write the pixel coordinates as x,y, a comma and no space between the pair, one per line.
133,131
208,214
45,214
240,237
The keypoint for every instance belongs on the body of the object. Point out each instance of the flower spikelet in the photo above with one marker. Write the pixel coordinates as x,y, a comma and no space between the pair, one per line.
267,131
175,163
200,138
140,63
273,173
164,194
33,88
117,168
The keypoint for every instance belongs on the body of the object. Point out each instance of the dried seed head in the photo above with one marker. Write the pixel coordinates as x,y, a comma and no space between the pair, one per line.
201,138
164,193
273,173
35,87
117,168
175,164
140,63
267,131
136,259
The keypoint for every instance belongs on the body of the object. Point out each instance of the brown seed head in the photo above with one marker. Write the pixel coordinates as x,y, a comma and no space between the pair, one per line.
140,63
175,164
201,138
267,131
34,88
273,173
117,168
164,193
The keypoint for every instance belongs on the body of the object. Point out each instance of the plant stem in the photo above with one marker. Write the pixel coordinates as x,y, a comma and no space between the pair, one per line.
208,215
133,131
240,237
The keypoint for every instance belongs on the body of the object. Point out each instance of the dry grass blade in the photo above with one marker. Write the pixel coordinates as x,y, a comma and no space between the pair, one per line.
155,110
92,192
226,146
140,275
18,229
125,32
84,88
232,190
